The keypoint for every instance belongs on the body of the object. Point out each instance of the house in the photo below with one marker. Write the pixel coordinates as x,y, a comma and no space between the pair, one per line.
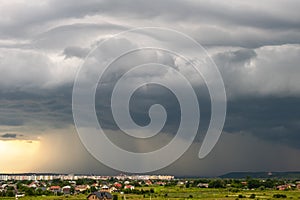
55,189
19,195
105,188
130,187
73,183
180,183
82,188
4,186
117,185
284,187
113,189
95,185
202,185
148,182
244,183
298,186
66,190
160,183
33,185
100,196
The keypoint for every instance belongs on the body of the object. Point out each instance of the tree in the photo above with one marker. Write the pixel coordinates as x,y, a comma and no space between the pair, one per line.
269,183
254,183
29,191
187,185
216,184
93,189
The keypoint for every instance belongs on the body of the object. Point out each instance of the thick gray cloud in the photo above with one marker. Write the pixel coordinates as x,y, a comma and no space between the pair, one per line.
213,23
269,70
75,52
255,44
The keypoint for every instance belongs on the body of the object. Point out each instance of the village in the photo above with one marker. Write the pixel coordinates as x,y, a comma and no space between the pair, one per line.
141,186
20,185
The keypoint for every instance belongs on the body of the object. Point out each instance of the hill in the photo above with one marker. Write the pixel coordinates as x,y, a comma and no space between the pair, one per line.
240,175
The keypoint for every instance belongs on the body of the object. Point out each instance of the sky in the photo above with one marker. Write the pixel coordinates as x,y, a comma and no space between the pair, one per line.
254,44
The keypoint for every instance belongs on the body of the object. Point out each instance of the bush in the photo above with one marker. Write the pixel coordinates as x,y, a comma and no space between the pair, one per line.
241,196
235,190
115,197
279,196
10,193
252,196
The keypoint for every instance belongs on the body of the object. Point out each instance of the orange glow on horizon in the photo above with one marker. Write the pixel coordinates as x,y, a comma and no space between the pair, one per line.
18,155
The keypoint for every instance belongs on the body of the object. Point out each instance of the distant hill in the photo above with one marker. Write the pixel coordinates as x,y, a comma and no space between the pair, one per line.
240,175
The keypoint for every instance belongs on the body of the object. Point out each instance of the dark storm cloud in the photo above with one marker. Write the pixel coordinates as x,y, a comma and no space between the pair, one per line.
9,135
43,108
13,136
11,120
271,119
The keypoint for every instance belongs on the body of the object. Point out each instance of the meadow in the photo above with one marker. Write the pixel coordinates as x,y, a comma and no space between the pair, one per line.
178,193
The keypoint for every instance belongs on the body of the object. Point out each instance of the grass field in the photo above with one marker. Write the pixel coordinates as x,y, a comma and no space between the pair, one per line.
177,193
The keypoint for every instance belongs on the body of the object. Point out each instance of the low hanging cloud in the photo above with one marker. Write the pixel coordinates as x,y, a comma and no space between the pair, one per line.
14,136
9,135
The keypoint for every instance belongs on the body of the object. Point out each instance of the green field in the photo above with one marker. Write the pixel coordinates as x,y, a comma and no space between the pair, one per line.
165,193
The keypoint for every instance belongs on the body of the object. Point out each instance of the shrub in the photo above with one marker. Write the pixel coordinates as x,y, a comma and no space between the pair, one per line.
279,196
115,197
235,190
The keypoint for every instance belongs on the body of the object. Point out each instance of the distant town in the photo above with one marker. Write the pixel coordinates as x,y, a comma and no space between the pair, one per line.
51,176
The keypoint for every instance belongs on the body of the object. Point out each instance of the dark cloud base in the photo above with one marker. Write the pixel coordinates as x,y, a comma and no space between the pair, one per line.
275,119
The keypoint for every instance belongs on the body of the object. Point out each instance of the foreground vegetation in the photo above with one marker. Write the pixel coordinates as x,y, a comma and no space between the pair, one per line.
178,193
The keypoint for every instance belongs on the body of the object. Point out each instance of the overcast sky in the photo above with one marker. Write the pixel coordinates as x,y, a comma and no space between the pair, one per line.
255,45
